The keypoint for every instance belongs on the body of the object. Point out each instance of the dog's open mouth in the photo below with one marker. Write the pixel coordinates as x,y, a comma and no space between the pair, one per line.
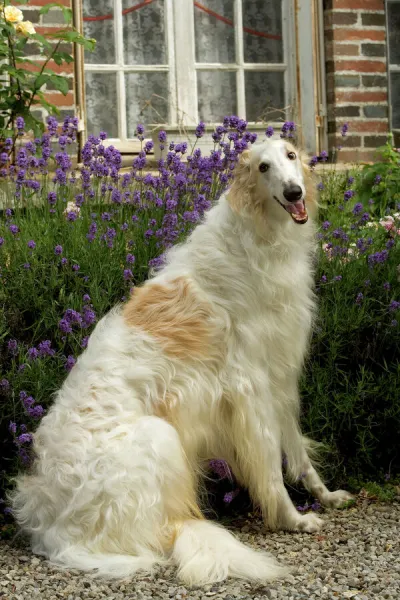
297,210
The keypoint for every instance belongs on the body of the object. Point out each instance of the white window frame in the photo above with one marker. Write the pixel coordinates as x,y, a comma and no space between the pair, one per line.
301,80
391,67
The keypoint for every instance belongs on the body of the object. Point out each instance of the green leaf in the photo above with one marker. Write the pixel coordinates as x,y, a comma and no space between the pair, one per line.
41,80
60,83
60,57
42,40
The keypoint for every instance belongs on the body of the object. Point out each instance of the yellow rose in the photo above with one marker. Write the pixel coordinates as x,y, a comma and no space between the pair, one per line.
25,27
13,14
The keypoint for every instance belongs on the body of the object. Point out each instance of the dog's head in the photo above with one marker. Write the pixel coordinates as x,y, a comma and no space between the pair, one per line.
272,180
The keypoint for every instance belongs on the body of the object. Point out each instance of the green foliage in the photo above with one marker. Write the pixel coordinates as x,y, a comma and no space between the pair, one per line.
381,181
350,390
21,79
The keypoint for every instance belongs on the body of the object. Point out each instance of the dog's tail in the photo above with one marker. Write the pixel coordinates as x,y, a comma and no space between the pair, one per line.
206,553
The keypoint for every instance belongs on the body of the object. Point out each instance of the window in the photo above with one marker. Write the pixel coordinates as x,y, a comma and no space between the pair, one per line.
175,62
393,29
178,61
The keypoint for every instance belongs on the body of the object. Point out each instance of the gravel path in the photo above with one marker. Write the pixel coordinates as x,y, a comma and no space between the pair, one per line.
357,555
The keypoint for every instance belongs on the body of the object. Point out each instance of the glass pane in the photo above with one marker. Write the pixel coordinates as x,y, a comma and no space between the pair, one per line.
394,32
265,92
98,23
101,103
262,31
395,97
216,91
144,33
214,31
146,99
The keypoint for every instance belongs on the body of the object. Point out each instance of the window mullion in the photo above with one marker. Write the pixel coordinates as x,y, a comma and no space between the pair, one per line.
172,86
186,80
240,81
119,51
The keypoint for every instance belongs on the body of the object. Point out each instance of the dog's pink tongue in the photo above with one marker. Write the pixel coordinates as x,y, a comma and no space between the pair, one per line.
296,208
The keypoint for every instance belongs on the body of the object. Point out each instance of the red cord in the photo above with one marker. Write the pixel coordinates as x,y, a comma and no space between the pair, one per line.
197,5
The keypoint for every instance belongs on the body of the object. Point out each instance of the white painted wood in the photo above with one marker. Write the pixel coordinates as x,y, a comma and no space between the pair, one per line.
186,80
306,79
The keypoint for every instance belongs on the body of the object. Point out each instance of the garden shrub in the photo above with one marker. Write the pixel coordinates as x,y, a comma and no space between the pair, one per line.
73,244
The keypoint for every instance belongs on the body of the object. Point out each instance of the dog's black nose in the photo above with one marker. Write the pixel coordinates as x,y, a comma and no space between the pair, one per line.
293,193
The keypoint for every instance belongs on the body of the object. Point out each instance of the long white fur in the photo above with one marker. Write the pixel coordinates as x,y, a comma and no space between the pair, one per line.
111,478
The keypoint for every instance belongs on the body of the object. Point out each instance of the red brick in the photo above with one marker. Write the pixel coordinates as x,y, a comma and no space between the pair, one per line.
361,66
350,34
352,156
59,99
368,126
49,29
346,50
65,68
359,4
361,96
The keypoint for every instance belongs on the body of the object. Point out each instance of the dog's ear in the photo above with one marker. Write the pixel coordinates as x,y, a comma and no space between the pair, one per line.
239,194
310,182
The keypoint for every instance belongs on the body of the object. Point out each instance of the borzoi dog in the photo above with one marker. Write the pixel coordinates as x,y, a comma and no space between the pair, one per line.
202,362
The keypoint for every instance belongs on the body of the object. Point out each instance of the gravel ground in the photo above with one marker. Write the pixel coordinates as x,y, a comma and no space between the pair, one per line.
356,555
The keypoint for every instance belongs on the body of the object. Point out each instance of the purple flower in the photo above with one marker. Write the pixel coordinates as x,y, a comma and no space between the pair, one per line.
20,123
323,157
162,137
148,147
386,286
70,362
36,412
33,353
200,129
12,347
378,258
324,279
45,349
229,496
58,250
84,341
86,298
14,229
337,278
27,266
357,208
116,196
75,267
31,244
65,326
326,225
359,298
24,438
221,468
130,259
128,274
12,428
288,128
393,323
269,132
320,186
1,241
350,180
52,198
344,129
313,162
377,179
394,305
4,385
348,194
72,215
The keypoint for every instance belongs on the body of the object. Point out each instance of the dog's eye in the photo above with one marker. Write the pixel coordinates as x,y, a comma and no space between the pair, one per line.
263,167
291,155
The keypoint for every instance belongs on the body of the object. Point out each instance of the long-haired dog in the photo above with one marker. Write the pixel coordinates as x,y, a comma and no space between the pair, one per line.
202,362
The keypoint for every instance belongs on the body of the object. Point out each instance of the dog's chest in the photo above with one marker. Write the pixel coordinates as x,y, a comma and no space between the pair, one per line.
274,328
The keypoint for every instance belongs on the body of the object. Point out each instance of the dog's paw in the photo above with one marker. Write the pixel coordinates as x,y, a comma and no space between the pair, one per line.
308,523
337,499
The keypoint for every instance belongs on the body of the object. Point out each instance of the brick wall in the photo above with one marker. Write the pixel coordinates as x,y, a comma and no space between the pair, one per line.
50,22
355,45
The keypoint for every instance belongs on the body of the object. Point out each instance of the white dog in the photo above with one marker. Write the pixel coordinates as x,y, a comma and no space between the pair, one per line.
202,362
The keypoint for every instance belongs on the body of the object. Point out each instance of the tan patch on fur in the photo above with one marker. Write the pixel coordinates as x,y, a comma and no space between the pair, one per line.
174,315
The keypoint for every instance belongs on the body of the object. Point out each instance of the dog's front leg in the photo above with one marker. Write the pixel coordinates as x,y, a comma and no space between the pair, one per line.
299,466
257,440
